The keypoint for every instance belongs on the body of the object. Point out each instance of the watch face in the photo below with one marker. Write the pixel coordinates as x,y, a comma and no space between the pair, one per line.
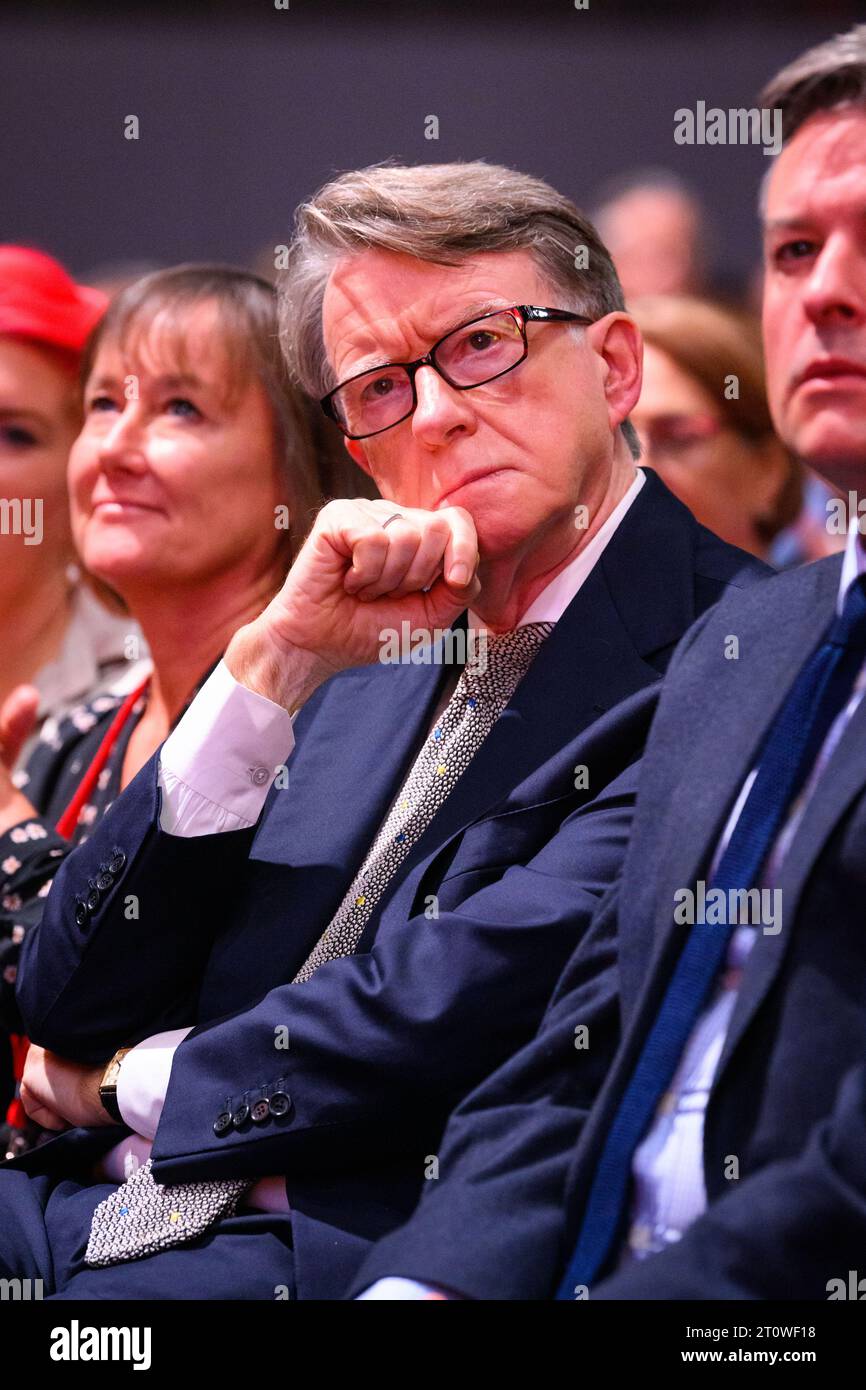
112,1071
108,1086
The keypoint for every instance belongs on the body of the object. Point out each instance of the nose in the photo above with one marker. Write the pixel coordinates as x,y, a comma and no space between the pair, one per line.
836,288
122,445
442,411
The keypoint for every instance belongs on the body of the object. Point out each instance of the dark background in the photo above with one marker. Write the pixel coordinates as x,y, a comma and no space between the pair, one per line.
244,110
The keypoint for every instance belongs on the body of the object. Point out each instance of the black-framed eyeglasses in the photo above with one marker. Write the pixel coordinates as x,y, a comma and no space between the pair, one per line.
471,355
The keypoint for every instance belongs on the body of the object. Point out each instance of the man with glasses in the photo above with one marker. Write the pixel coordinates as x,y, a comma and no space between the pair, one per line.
287,987
477,352
711,1142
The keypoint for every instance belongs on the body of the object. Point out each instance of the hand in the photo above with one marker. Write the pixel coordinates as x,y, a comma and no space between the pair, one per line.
353,579
57,1093
17,718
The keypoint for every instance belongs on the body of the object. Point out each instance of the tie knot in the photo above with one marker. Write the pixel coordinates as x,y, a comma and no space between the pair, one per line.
849,628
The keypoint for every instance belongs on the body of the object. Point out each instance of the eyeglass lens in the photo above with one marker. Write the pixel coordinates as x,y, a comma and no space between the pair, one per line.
472,354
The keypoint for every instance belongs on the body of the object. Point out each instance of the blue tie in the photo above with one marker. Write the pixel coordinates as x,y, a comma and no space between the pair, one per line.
793,741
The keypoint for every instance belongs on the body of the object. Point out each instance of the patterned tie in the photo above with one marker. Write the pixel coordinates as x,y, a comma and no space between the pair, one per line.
819,693
144,1216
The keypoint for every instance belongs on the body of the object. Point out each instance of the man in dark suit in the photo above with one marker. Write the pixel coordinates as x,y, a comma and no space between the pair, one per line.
690,1121
311,984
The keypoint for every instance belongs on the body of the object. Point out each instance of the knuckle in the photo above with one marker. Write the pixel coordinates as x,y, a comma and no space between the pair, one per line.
372,539
329,512
462,517
438,525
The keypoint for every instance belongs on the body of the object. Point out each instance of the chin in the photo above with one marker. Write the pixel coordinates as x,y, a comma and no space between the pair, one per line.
499,534
834,450
119,562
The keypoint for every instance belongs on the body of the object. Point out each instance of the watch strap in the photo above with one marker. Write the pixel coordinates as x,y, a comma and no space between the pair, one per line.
108,1085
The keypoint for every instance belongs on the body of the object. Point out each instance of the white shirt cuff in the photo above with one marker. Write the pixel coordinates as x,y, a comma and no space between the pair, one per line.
217,766
142,1086
143,1081
402,1290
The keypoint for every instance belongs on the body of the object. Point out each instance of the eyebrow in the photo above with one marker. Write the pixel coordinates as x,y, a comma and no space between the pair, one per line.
10,412
782,224
466,315
807,218
170,381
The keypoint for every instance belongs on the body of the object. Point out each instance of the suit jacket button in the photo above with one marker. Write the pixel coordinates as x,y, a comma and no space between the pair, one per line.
105,881
92,899
260,1111
241,1115
118,859
222,1124
280,1103
81,912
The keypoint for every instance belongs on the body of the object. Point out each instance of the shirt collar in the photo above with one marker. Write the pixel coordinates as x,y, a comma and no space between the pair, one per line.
551,603
94,644
853,563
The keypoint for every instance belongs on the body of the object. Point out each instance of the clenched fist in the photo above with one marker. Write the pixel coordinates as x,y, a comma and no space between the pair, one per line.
355,578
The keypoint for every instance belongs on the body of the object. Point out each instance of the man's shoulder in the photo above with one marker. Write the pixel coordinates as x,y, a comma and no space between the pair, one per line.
771,621
662,539
719,562
663,570
714,561
781,595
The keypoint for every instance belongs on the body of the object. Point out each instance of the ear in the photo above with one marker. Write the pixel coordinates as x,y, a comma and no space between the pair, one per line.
357,452
617,340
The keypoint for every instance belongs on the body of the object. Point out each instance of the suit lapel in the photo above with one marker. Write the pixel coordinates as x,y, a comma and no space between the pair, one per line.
743,706
585,666
841,781
599,653
354,743
747,693
357,738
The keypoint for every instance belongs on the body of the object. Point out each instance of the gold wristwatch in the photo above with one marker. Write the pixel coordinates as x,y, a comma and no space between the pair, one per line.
108,1085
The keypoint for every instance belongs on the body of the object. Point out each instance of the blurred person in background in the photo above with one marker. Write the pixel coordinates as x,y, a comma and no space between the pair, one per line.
194,478
656,232
56,637
705,427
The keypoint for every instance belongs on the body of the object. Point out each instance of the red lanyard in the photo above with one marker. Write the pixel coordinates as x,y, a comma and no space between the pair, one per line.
68,821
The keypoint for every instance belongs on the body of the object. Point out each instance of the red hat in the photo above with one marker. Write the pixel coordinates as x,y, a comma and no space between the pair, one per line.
38,300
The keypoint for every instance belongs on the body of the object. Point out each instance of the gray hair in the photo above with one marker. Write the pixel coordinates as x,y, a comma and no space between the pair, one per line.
441,213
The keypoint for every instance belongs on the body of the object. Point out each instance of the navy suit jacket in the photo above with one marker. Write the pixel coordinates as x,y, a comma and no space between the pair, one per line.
789,1095
144,931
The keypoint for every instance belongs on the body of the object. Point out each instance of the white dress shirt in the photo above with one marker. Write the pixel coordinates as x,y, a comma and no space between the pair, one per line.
215,772
667,1169
668,1189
